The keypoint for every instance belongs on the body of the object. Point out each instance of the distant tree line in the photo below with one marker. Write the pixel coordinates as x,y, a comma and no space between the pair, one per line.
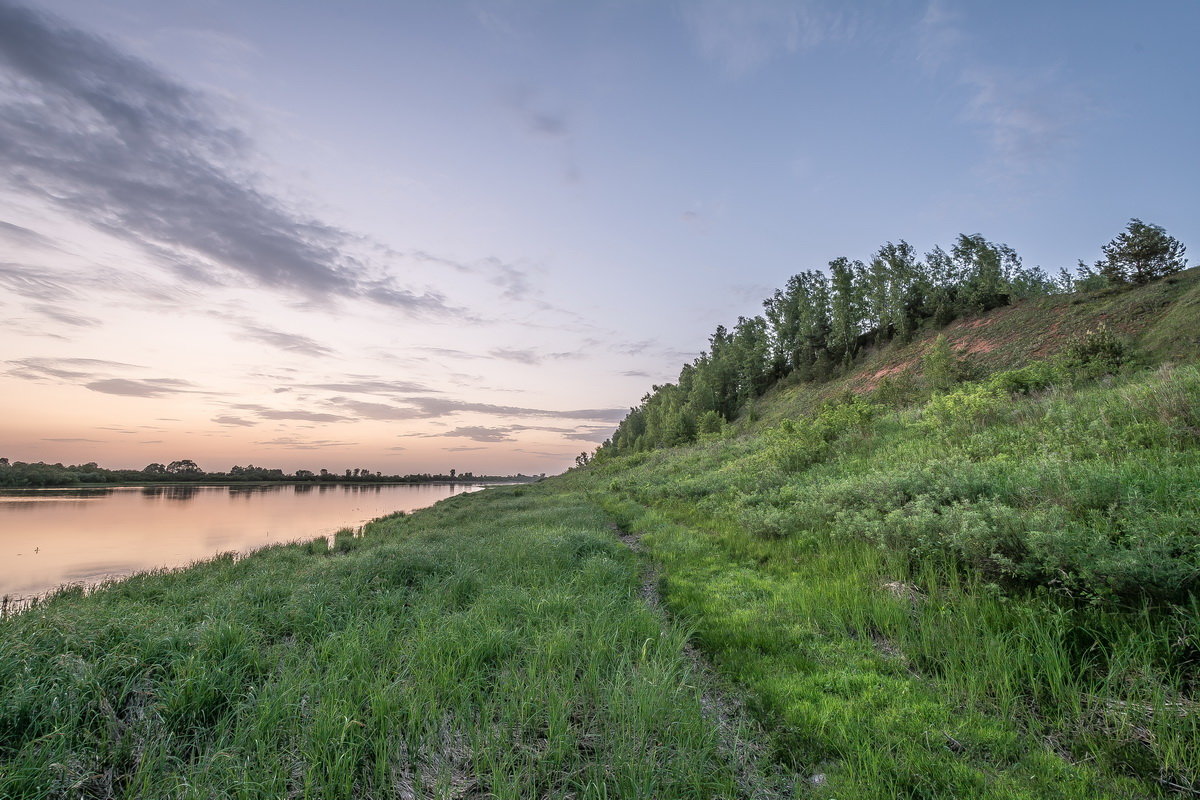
18,474
815,327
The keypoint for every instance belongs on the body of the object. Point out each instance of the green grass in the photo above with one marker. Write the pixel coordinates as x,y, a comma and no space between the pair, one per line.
494,646
975,596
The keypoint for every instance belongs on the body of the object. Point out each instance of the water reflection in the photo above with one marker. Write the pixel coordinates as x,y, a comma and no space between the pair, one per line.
52,537
180,493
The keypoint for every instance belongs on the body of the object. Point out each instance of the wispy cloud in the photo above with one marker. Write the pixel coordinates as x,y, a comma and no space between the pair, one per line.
368,385
291,342
293,443
20,235
143,387
64,369
64,316
303,416
117,143
743,35
229,419
1027,115
435,407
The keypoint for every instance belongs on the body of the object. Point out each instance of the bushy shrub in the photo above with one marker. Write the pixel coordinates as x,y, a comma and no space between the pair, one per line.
962,410
1096,353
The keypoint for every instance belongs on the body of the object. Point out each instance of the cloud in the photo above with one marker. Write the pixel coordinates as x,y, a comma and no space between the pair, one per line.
429,407
368,385
26,237
65,317
380,411
513,354
635,373
523,356
591,433
742,35
437,407
39,369
304,416
291,342
480,433
293,443
229,419
145,387
462,449
117,143
1027,116
32,283
72,439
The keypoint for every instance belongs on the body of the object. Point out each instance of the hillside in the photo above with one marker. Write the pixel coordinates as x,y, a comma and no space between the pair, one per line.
965,567
1159,320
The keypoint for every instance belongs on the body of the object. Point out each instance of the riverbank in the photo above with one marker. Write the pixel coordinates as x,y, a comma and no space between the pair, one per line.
506,644
494,645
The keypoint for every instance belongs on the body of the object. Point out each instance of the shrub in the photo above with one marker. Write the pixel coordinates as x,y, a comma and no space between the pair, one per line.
1096,353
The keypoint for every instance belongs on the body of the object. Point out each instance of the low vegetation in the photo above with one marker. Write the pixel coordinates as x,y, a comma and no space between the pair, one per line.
490,647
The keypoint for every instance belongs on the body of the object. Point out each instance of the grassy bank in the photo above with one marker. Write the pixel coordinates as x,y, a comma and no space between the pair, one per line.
977,595
494,646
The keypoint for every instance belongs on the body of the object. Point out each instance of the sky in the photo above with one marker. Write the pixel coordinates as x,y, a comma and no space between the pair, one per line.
414,236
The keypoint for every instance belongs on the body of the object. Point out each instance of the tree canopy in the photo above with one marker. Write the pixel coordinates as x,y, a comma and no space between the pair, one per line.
1141,253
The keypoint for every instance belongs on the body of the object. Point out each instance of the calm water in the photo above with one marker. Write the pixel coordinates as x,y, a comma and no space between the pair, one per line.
57,536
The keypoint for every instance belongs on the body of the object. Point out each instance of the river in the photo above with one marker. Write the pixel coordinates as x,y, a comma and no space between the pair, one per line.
52,537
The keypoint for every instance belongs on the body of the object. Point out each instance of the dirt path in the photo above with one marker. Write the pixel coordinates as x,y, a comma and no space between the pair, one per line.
740,738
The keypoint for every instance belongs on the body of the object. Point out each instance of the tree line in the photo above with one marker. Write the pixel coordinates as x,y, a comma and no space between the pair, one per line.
21,474
816,325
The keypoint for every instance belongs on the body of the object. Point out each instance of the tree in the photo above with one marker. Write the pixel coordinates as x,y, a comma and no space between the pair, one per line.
845,312
1141,253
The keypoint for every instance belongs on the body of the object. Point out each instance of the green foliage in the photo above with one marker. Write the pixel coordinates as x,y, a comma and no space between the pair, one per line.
943,368
496,646
1097,352
1141,253
817,325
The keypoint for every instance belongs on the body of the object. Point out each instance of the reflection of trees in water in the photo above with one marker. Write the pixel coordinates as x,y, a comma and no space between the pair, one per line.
303,488
179,493
253,489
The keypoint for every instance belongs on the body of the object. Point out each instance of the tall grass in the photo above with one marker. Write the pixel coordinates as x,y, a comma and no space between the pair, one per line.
983,595
494,646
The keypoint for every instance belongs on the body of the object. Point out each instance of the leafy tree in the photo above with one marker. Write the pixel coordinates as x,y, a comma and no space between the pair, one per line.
184,467
1141,253
846,307
943,368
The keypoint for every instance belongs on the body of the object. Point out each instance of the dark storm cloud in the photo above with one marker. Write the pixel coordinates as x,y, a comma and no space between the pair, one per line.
144,387
128,149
